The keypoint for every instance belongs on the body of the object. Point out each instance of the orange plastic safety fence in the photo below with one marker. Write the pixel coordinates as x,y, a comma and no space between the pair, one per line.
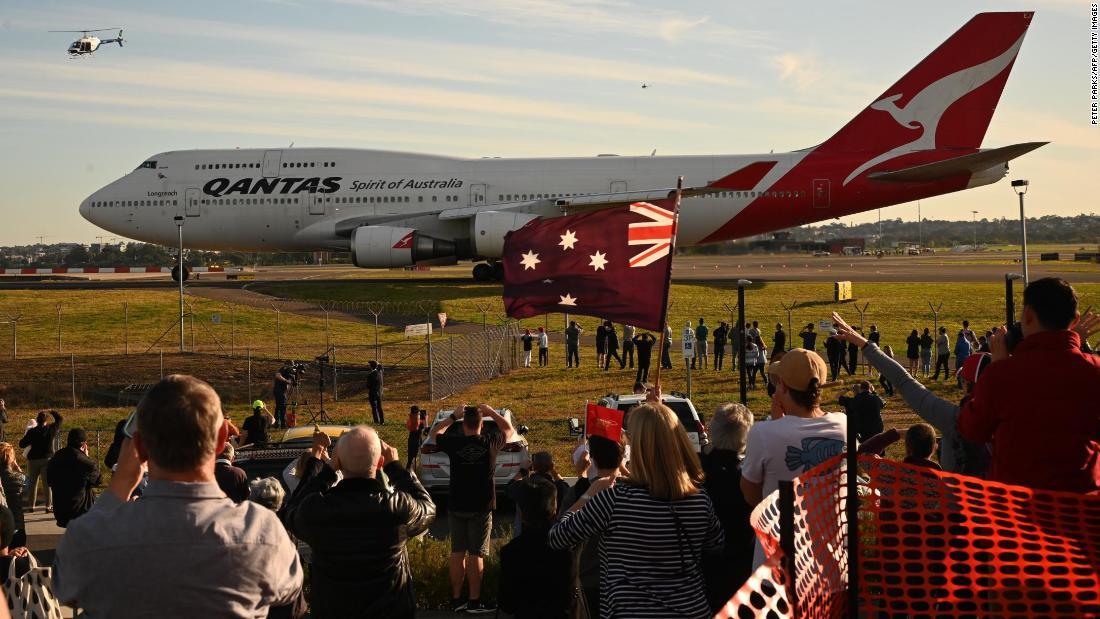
936,544
820,533
762,595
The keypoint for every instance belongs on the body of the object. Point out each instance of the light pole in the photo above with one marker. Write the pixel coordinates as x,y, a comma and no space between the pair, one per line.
741,283
1010,300
920,230
974,226
1020,187
179,272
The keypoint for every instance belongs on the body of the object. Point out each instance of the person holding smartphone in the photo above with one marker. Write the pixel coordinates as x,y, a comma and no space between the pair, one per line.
473,457
415,425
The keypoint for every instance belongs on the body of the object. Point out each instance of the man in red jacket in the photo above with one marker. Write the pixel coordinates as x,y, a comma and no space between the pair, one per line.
1038,405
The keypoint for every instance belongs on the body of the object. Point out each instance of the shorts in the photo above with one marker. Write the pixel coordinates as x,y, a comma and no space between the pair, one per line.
470,532
701,347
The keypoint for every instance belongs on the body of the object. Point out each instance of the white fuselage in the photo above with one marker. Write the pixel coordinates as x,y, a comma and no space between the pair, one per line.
291,200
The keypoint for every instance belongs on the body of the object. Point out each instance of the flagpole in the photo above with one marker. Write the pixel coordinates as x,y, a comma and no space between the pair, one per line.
668,284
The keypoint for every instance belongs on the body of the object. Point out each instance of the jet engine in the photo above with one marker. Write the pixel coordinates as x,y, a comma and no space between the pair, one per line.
379,247
488,228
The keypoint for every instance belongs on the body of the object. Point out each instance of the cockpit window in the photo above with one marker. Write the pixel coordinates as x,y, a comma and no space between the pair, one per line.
150,165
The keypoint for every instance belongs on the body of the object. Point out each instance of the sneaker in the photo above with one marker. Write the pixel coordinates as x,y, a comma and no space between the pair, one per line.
479,607
458,605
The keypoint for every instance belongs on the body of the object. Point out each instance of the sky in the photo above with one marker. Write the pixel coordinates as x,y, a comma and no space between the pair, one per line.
504,78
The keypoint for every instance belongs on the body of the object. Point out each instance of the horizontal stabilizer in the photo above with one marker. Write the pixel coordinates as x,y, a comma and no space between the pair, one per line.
972,163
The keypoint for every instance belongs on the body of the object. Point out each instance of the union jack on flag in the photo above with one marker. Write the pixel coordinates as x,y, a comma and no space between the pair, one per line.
657,233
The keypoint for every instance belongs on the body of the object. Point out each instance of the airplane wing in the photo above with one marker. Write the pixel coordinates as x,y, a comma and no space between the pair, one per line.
545,207
972,163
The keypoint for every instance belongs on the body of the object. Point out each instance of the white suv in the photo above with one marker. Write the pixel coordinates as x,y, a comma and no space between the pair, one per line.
435,466
679,403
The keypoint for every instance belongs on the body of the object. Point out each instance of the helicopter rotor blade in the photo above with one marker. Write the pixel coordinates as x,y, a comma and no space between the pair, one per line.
85,31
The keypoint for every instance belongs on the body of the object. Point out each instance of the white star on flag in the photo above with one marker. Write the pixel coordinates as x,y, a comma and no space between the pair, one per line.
568,240
530,259
568,299
598,260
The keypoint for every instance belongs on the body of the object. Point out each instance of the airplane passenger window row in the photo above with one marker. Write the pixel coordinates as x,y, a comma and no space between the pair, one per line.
248,201
759,194
225,166
535,196
109,203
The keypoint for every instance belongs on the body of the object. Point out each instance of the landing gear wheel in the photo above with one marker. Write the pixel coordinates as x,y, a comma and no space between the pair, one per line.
483,272
498,271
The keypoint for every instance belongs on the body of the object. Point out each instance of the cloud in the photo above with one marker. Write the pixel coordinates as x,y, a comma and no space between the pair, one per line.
673,29
801,70
572,17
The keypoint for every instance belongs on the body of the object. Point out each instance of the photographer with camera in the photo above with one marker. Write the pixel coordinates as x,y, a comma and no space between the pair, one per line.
183,549
374,392
254,429
1037,401
473,498
864,409
357,528
284,379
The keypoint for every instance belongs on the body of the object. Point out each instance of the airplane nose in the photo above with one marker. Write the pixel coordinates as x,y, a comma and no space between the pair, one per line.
86,208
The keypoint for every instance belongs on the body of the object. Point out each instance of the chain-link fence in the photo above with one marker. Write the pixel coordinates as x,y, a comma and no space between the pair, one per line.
419,370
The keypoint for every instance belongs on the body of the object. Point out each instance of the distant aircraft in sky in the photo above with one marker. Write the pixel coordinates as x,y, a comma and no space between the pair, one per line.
921,138
87,45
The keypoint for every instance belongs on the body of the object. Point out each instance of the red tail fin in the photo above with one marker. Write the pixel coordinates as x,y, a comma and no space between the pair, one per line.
946,101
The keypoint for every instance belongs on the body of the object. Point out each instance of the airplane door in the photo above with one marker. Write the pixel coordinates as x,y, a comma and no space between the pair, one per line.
477,194
821,193
273,161
618,186
192,203
317,203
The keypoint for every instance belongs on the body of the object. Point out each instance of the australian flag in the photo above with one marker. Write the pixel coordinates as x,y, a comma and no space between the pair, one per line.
612,264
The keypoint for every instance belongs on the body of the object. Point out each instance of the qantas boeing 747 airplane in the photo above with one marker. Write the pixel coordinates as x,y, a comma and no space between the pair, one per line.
921,138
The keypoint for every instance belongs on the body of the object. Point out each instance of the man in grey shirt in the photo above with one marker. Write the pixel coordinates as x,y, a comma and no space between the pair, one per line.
628,345
183,549
943,354
572,344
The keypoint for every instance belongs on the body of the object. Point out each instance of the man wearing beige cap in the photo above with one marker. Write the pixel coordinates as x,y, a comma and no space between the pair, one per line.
799,435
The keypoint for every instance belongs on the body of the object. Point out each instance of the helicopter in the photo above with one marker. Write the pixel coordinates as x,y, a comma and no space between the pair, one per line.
87,45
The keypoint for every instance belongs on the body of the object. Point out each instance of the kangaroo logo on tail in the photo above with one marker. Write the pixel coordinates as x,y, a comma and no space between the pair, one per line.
925,109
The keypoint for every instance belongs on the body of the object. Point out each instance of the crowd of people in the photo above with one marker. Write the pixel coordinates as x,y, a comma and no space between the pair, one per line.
651,527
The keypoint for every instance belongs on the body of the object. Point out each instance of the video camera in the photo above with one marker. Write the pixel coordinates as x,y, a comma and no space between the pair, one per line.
297,369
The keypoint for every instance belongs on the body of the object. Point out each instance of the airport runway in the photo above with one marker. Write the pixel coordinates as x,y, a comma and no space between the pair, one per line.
940,267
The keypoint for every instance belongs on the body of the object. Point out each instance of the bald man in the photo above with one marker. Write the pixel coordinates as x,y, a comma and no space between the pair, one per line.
357,528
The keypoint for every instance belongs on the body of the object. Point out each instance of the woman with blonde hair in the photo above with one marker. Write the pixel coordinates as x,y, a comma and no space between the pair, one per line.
653,525
12,481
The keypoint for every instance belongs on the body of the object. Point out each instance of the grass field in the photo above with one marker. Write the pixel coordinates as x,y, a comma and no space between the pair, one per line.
895,307
116,321
542,398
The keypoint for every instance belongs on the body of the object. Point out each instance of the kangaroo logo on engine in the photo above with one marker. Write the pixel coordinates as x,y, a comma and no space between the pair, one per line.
219,187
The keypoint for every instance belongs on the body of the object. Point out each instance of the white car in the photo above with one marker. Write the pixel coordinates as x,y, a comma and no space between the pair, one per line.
680,404
435,466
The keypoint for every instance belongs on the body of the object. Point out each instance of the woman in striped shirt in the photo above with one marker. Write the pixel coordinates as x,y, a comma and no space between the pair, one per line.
652,525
